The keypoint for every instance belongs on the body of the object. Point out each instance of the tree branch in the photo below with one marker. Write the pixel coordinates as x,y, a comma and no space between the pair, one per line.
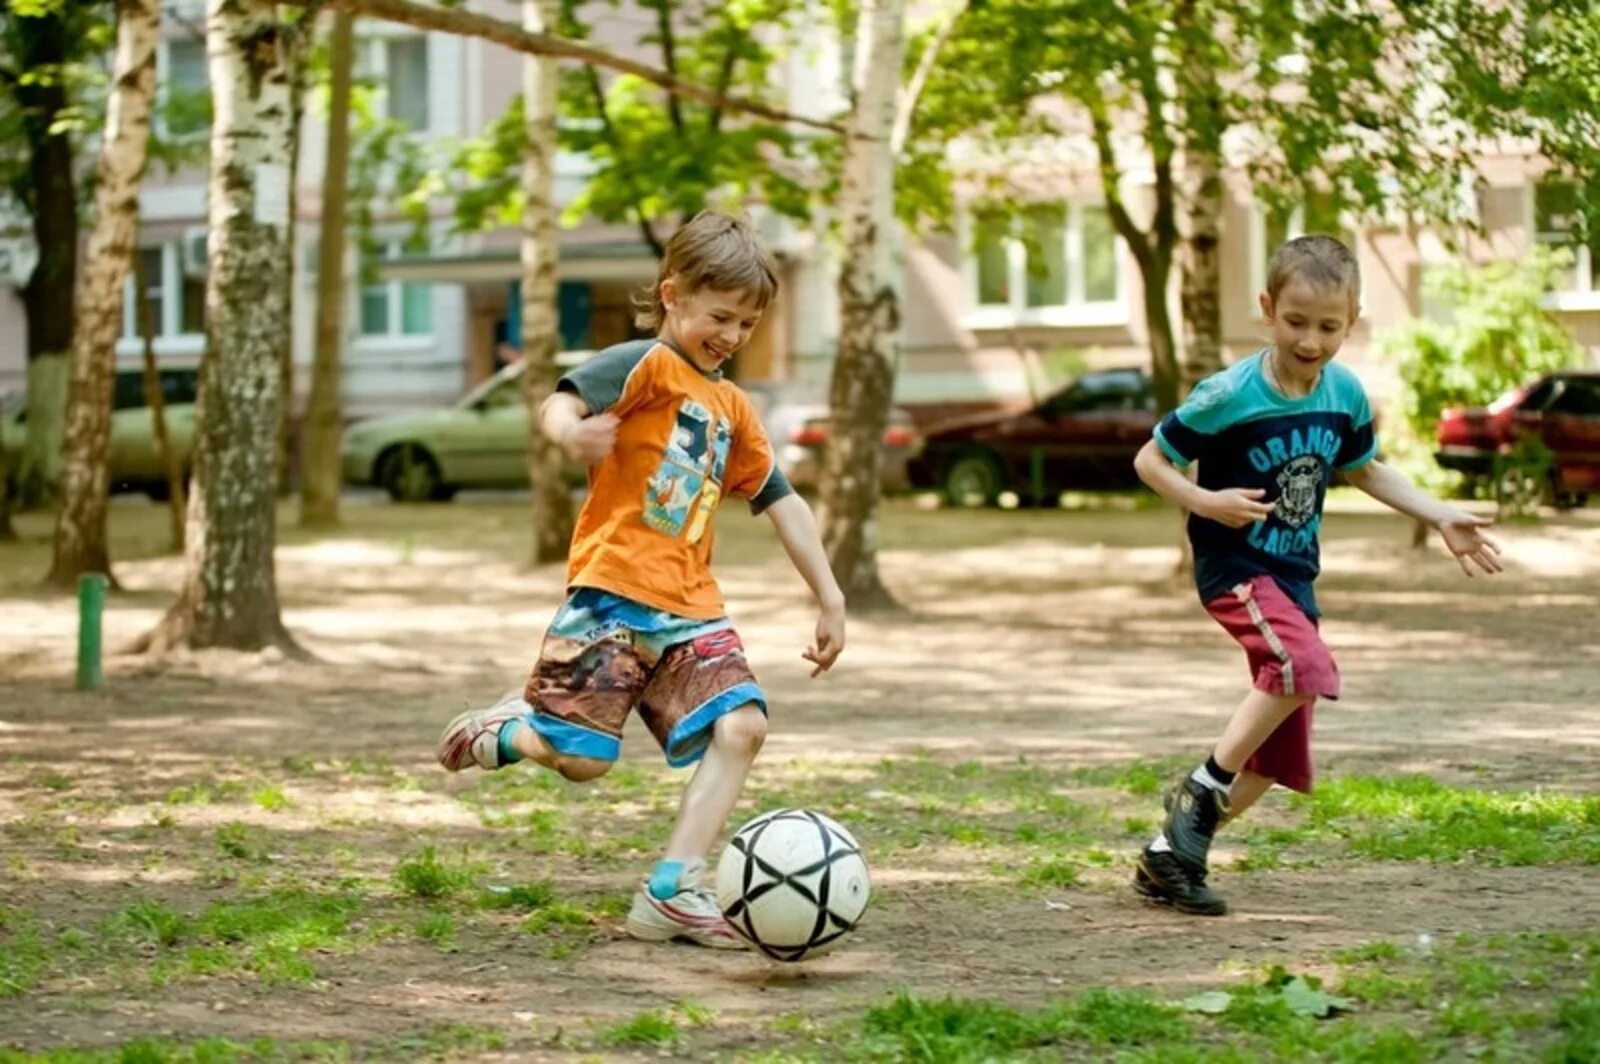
669,59
470,24
610,132
907,109
730,60
1139,242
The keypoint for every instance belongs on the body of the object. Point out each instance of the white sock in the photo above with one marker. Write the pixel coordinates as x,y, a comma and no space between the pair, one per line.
1161,845
1206,779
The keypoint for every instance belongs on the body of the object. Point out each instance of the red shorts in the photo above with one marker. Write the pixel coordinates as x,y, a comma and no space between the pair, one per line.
1286,656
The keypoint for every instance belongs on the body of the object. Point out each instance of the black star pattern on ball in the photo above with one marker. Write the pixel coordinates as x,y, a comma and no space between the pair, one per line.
829,925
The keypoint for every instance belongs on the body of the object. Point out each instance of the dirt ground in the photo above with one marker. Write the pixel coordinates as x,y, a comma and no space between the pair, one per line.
1058,637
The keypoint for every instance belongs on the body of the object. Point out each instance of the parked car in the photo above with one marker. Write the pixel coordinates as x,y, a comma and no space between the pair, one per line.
481,441
1083,436
1562,410
134,459
797,419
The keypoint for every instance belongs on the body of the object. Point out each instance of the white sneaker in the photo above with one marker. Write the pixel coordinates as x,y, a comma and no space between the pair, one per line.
473,737
691,915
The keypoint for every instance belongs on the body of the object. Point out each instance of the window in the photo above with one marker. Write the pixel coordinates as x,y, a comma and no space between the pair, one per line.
1558,222
1113,390
185,89
1049,264
396,308
398,66
175,300
1580,398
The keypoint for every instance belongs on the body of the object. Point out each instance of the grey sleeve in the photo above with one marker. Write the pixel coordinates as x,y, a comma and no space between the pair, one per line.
776,487
598,382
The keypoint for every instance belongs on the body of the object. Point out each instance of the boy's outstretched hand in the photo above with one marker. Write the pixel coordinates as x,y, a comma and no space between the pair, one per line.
591,439
824,649
1465,539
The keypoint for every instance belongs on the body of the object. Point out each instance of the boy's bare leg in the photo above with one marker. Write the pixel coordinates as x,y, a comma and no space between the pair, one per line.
1257,717
1247,788
736,739
669,906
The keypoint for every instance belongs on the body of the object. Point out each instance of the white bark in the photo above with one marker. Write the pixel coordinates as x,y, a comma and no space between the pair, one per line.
869,311
80,541
229,597
552,501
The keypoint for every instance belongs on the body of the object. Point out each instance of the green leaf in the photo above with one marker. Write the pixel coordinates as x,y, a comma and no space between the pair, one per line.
1212,1002
1308,1000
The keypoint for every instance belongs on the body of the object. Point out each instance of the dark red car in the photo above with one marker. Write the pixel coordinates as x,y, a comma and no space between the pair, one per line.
1561,409
1083,436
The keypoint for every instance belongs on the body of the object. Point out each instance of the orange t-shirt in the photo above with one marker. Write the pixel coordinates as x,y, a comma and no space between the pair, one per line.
685,440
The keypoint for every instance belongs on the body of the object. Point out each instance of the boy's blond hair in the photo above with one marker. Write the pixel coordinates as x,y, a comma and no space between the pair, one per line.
1319,261
715,250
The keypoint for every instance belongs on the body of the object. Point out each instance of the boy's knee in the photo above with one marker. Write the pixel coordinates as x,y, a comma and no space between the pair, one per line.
581,769
742,732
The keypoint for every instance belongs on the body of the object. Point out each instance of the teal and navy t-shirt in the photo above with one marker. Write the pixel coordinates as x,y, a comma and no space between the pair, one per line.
1246,434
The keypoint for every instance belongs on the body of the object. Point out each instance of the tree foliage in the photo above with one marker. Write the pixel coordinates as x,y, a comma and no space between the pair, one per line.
655,159
1496,334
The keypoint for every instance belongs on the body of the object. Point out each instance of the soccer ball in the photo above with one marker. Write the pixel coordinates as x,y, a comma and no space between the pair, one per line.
793,883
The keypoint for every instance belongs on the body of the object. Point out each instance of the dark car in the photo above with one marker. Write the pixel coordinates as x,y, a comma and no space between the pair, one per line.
1083,436
797,421
1561,410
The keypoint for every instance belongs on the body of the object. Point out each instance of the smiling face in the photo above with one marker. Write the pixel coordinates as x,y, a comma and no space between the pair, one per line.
709,325
1309,324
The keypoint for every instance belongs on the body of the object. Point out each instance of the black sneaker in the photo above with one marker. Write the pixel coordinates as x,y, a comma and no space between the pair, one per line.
1163,878
1193,813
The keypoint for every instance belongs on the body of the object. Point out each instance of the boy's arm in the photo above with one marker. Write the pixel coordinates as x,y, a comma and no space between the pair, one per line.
1462,531
564,419
1234,507
797,531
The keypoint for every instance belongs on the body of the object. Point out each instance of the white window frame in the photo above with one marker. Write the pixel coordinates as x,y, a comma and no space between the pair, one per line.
394,292
374,50
164,85
1076,312
1585,293
1355,234
168,339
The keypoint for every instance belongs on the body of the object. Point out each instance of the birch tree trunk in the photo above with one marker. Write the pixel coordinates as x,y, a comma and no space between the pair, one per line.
319,463
80,539
229,595
1200,271
869,313
547,464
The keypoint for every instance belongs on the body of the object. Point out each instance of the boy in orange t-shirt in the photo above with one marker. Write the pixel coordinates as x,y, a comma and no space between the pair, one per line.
666,437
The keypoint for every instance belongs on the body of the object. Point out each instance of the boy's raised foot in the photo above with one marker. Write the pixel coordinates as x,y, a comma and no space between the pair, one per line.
1162,877
691,915
472,739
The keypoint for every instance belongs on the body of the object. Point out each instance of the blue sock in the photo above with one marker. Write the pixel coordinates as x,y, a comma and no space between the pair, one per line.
509,754
664,879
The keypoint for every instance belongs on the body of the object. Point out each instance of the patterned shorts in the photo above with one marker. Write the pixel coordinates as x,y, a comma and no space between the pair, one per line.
604,655
1286,656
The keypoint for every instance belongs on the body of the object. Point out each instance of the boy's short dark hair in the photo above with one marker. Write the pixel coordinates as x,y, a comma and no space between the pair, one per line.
1320,261
715,250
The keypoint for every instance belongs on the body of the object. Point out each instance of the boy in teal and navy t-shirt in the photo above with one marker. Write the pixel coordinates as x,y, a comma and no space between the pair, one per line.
1269,432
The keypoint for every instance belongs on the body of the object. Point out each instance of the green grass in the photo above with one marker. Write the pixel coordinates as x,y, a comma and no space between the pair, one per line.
652,1028
1416,818
424,875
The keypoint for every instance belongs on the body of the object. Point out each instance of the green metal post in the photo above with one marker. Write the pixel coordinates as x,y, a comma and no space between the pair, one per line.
91,604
